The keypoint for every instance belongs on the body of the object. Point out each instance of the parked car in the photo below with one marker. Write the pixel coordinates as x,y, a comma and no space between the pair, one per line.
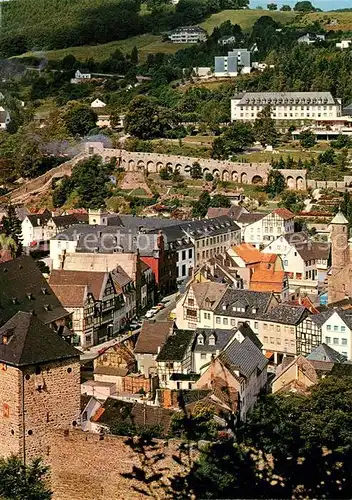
134,325
151,312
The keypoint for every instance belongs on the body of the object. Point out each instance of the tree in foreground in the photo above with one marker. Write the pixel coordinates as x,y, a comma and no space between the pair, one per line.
12,229
201,206
23,482
307,139
80,119
196,170
264,128
276,183
291,446
235,139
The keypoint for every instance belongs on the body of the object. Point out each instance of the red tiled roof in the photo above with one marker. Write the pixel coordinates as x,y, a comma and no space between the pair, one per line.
71,295
93,280
152,336
248,253
284,213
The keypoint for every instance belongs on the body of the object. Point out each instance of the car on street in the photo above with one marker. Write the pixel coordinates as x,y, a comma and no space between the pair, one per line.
151,312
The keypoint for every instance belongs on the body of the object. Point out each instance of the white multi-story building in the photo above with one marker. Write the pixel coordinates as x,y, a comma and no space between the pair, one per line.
188,34
269,227
305,262
332,327
298,106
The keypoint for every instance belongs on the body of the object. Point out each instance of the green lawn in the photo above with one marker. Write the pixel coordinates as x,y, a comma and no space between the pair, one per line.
146,44
245,18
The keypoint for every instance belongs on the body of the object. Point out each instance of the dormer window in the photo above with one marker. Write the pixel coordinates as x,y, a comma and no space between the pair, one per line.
224,307
6,337
200,340
30,296
44,290
212,339
254,310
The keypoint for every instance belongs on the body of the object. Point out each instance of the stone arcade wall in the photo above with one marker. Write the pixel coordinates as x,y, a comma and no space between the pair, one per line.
87,466
244,173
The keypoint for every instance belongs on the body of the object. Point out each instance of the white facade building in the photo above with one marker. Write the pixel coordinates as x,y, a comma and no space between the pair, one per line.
336,332
188,34
269,227
286,105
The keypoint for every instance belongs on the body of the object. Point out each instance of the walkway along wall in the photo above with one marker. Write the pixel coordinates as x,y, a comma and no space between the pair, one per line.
243,173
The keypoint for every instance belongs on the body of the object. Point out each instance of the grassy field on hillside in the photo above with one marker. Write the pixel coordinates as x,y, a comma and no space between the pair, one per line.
245,18
334,21
146,44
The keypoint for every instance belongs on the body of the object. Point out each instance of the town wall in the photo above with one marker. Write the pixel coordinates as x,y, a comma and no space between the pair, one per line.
87,466
43,182
243,173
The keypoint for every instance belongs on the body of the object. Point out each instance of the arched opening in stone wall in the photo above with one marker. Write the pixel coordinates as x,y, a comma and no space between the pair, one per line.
169,166
159,166
216,172
131,165
290,182
140,165
150,166
107,159
234,176
179,168
225,175
257,179
205,171
300,183
244,178
187,169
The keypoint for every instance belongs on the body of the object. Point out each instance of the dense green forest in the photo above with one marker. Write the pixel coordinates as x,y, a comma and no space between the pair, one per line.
48,24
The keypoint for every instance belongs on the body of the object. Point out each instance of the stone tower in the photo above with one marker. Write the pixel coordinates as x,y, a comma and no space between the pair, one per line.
339,241
39,386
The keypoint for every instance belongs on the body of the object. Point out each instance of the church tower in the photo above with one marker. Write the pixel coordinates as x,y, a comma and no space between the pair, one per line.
339,241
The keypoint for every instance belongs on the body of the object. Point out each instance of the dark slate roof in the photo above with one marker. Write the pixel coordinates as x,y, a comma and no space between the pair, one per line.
247,331
222,338
39,219
24,288
319,319
176,346
149,223
30,342
345,315
63,221
210,227
323,352
244,357
254,303
313,250
286,314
